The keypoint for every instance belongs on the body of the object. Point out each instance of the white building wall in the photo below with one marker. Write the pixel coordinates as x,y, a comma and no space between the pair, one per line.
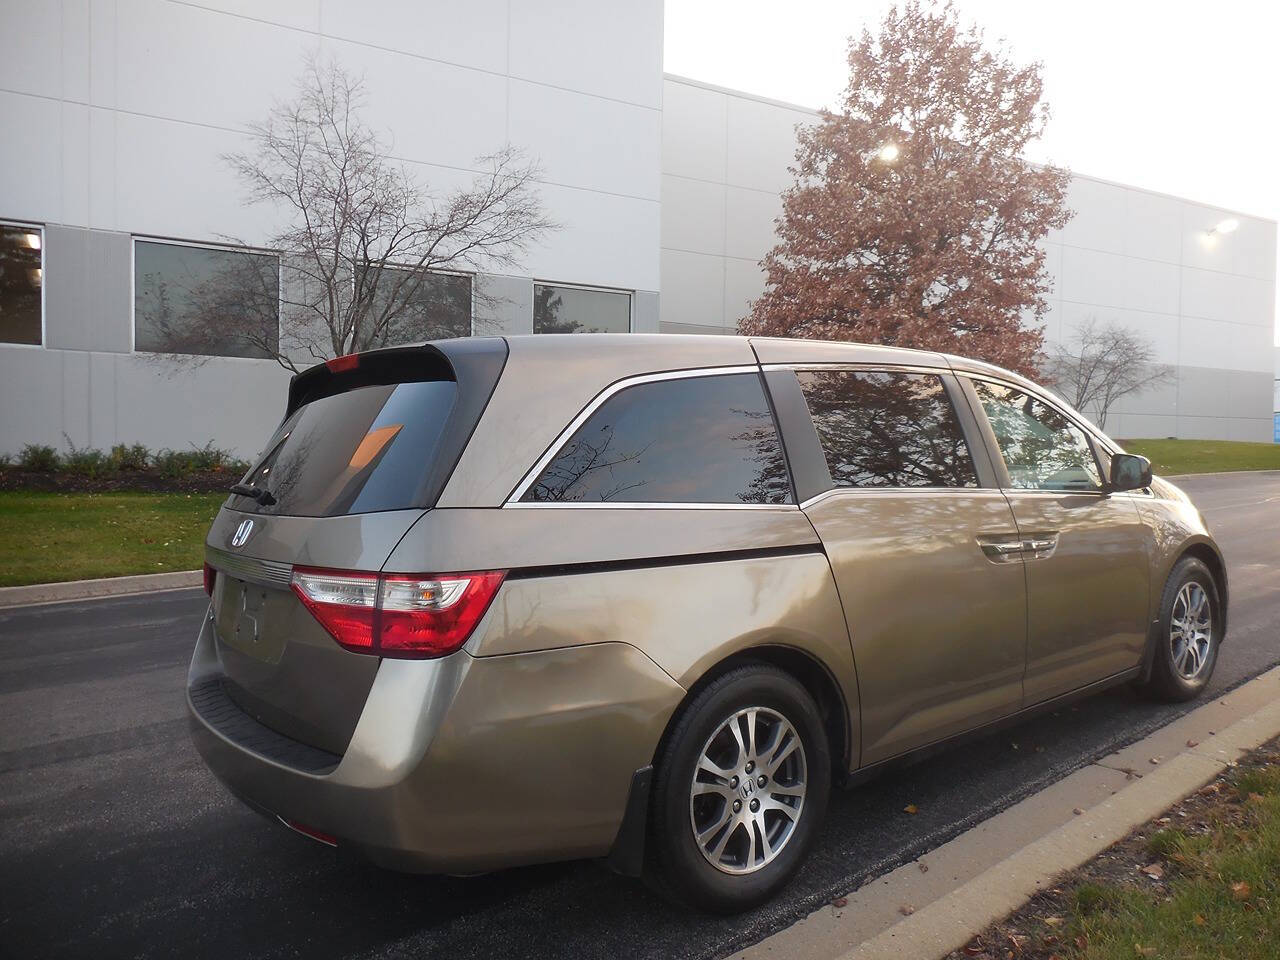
115,117
1129,256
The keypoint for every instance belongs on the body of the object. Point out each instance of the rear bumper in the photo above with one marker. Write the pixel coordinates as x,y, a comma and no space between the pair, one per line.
457,765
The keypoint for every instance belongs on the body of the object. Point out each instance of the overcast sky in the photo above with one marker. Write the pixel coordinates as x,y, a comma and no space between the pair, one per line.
1175,96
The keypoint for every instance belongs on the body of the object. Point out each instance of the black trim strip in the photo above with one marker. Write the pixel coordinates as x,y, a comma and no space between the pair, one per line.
645,563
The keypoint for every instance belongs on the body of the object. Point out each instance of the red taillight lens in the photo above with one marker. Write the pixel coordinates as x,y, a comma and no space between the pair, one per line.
210,578
398,615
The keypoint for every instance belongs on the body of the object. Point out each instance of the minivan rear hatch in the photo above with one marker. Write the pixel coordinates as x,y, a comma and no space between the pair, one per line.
366,445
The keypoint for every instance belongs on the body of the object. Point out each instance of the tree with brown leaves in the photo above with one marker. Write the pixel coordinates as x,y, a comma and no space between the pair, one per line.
914,219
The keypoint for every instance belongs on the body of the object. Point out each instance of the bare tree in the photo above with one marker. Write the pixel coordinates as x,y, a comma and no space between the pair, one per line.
366,250
1104,363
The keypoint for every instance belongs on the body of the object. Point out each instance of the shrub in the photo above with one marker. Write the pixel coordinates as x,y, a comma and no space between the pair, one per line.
39,456
85,461
130,457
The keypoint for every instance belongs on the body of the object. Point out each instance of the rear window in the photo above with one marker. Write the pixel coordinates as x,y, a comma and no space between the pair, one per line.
361,451
687,440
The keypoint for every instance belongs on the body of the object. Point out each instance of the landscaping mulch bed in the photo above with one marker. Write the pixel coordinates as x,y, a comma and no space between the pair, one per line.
147,481
1171,886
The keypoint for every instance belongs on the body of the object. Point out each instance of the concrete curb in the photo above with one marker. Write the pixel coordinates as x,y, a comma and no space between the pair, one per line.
977,878
948,923
91,589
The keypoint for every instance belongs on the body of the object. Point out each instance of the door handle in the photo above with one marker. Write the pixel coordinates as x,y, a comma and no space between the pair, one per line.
1005,549
1039,546
1001,549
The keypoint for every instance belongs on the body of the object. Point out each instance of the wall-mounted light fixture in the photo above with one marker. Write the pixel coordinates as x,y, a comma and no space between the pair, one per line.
1223,227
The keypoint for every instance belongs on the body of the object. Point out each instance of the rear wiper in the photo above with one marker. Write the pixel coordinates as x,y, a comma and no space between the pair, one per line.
263,497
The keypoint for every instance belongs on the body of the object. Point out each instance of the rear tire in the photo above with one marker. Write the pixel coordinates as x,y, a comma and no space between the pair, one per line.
1188,634
776,770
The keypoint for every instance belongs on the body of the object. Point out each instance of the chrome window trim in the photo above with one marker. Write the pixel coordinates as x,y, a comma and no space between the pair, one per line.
860,366
637,505
987,492
527,481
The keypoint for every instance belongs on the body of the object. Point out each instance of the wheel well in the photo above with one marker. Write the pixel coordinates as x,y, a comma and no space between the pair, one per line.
813,676
1209,557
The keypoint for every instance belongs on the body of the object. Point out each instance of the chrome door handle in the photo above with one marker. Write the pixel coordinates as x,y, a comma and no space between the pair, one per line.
1001,549
1039,546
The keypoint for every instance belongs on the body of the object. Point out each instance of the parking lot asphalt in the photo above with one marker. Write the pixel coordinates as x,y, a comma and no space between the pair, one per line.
115,841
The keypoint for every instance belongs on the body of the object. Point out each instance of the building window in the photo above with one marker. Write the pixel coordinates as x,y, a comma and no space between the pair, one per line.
427,306
21,281
211,301
559,309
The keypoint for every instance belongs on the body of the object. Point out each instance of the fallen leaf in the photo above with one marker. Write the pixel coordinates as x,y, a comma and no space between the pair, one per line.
1155,760
1196,743
1255,797
1082,942
975,947
1142,951
1053,921
1164,820
924,867
1200,921
840,902
1153,870
910,808
906,909
1077,811
1241,890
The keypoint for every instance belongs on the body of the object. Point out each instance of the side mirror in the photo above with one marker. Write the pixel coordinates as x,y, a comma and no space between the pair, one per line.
1130,472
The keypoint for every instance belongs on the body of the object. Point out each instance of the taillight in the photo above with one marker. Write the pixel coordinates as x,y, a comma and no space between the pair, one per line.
397,615
210,578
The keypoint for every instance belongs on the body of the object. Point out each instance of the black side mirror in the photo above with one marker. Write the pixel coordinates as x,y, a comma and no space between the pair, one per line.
1130,472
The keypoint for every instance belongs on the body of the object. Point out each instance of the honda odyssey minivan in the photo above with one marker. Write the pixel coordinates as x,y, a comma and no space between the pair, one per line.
493,601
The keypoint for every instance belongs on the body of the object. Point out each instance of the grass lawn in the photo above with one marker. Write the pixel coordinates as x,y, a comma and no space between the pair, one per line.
1202,881
1169,457
46,537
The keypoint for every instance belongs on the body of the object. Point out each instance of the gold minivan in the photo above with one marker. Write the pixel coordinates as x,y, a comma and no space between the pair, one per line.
493,601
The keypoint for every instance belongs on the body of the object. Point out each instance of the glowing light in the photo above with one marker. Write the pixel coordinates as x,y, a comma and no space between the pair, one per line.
888,153
1230,225
33,241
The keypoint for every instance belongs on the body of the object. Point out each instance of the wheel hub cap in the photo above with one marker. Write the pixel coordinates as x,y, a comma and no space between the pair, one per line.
748,790
1190,630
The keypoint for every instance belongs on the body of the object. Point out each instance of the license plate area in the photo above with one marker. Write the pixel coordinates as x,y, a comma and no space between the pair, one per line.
244,621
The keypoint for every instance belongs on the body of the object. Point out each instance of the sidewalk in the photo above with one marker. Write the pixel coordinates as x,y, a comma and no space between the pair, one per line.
929,907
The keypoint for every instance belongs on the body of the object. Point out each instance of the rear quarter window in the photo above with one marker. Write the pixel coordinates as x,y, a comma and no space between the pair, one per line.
705,439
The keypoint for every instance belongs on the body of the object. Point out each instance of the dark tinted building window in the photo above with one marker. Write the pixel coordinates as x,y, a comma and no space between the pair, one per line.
887,429
361,451
211,301
419,305
690,440
575,310
1042,448
21,278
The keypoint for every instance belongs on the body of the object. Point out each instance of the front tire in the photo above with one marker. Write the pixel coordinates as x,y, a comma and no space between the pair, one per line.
1189,633
740,790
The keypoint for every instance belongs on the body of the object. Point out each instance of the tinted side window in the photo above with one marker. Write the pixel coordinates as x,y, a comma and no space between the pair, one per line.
1042,448
690,440
887,429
